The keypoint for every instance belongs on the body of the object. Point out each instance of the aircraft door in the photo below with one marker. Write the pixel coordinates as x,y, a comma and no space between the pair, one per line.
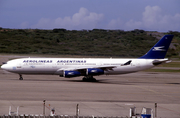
136,63
99,63
54,65
19,66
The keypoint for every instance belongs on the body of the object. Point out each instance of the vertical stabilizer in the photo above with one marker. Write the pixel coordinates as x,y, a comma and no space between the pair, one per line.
159,50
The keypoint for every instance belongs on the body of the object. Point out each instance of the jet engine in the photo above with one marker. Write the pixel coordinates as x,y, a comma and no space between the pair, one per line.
69,74
94,71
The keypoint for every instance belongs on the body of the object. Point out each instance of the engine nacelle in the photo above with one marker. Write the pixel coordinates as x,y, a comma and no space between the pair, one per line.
69,74
94,71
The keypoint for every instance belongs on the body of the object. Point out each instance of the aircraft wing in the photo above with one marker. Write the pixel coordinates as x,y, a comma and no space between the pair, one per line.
103,67
85,67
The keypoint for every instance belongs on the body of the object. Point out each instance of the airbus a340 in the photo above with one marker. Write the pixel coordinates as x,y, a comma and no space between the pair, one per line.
89,67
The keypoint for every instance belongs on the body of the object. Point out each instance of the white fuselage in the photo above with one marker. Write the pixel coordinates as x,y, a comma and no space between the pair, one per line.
56,66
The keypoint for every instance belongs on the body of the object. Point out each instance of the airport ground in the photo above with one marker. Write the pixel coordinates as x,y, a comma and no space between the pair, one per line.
109,96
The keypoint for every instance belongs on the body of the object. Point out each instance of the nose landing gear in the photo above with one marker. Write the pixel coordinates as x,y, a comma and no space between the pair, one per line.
20,77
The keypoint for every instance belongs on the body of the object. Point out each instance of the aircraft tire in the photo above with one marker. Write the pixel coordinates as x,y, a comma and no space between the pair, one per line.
20,77
89,79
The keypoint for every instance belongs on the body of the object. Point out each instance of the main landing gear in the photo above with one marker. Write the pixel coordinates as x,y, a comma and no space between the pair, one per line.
20,77
89,78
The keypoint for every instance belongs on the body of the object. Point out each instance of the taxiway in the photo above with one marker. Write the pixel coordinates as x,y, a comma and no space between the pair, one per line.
109,96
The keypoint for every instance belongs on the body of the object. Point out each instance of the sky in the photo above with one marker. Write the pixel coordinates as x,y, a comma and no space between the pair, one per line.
148,15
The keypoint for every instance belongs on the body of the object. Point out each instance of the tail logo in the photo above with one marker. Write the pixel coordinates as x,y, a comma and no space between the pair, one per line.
159,48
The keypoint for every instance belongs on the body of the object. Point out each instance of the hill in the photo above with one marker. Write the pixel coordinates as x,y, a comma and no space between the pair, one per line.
96,42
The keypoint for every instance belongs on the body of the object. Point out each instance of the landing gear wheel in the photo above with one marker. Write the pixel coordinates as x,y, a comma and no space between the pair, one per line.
89,79
20,77
84,79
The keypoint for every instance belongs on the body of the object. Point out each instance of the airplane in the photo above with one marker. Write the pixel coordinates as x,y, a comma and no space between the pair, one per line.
89,67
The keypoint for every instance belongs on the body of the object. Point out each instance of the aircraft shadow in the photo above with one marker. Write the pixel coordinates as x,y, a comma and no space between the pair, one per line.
100,81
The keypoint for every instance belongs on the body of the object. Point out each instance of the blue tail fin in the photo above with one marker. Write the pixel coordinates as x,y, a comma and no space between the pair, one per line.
159,50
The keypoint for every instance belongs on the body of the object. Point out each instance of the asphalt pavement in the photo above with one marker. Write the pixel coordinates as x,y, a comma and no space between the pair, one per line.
109,96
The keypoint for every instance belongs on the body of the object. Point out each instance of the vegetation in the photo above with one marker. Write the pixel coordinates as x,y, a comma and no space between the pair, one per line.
172,64
96,42
163,70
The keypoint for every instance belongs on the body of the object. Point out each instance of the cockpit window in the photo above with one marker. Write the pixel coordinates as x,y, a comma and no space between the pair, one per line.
4,62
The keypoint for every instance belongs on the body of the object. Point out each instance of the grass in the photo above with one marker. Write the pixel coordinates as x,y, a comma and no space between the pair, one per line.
49,56
171,64
162,70
175,64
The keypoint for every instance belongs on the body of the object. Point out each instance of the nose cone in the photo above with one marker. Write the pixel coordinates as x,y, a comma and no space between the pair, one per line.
5,67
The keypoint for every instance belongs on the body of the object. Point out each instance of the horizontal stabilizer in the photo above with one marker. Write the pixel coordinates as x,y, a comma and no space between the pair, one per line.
157,62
